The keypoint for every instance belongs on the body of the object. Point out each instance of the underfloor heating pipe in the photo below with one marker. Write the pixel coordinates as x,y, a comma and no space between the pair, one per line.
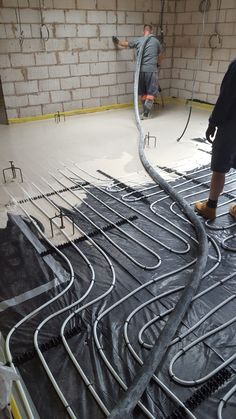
152,363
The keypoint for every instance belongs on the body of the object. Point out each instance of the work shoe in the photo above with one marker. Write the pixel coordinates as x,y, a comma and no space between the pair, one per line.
232,210
206,212
145,115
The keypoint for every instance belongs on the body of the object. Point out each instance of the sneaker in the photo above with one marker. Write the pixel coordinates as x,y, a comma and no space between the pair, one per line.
232,210
206,212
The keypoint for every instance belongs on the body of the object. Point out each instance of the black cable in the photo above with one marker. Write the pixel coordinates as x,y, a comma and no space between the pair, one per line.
24,357
94,233
204,5
215,39
43,25
205,9
203,393
186,126
18,18
34,198
161,36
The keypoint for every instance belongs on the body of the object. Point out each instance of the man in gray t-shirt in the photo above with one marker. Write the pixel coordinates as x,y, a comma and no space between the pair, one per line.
148,83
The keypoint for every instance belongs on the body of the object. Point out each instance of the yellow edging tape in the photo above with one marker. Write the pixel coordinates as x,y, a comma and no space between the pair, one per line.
69,113
14,409
178,101
196,105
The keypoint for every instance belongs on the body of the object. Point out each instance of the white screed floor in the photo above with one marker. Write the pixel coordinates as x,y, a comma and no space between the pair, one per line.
115,266
107,141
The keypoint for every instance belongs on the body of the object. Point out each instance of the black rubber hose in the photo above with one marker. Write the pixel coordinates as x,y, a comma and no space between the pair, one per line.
127,403
186,126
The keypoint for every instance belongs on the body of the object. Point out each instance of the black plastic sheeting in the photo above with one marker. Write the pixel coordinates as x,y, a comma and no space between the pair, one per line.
26,268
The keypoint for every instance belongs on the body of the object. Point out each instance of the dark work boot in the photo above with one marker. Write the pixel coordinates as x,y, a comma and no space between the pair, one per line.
147,107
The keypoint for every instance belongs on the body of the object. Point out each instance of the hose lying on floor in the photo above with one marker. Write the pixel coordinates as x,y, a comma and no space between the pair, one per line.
126,405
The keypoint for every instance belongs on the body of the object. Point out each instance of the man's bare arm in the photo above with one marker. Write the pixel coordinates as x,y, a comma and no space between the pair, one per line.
123,44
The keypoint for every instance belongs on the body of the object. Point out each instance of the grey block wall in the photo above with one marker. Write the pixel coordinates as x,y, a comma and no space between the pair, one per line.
78,66
214,58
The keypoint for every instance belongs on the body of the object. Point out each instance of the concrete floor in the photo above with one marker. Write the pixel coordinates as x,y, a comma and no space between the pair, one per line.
107,141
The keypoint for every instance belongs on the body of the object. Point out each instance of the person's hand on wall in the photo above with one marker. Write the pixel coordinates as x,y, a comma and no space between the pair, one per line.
210,133
115,40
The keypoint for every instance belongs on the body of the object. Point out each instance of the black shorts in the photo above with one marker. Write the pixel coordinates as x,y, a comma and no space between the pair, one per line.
148,84
224,148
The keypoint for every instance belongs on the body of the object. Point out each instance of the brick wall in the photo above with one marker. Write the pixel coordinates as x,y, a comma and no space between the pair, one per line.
78,66
213,62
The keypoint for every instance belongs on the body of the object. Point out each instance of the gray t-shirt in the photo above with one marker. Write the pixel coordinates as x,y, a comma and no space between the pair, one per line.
151,51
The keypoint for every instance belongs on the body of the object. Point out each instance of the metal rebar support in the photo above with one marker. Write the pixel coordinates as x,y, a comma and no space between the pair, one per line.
147,138
57,117
61,215
13,168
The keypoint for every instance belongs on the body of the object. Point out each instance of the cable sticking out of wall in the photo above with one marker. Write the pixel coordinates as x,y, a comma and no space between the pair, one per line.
116,17
205,5
215,40
18,19
173,42
160,36
44,31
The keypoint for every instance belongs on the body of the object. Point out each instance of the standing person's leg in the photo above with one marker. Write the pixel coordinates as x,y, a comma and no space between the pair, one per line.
207,209
148,105
217,185
143,99
151,91
223,159
142,89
